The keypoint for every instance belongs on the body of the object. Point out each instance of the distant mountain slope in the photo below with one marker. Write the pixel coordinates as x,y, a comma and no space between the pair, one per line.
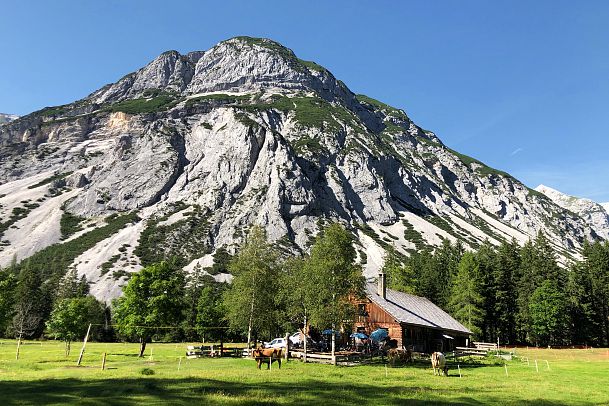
5,118
594,213
202,145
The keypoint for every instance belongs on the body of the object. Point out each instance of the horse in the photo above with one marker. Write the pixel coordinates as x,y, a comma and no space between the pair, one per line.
438,363
267,355
395,355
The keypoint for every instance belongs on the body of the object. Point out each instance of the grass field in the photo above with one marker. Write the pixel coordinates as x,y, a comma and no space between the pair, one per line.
44,376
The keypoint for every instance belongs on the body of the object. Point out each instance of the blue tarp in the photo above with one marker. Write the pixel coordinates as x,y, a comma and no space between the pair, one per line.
358,335
328,332
379,335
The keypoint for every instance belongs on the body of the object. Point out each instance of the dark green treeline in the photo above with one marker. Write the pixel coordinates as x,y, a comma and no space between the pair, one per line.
514,294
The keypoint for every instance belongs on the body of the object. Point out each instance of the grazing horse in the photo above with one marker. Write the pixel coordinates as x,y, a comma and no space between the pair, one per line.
438,363
267,355
395,356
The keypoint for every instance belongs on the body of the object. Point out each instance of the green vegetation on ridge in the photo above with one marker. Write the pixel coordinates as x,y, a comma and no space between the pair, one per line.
54,260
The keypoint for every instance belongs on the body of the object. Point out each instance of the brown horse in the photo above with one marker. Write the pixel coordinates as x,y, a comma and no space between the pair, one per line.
267,355
398,356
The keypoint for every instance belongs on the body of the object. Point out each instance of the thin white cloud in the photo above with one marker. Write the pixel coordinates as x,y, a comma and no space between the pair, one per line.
517,150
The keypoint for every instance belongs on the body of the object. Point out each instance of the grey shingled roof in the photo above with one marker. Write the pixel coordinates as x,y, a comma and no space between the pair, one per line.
411,309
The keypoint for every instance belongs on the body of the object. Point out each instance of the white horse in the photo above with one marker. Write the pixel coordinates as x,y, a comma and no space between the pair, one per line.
438,363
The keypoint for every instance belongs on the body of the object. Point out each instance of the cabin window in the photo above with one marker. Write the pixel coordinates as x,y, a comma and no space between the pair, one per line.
361,309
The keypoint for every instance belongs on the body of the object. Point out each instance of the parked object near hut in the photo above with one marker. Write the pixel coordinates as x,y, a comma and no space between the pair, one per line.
276,343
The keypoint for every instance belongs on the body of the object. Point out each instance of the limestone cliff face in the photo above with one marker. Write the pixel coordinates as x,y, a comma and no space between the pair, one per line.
203,145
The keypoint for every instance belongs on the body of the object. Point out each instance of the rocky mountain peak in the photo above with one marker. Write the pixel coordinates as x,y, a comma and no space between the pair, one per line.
5,118
179,158
594,213
240,64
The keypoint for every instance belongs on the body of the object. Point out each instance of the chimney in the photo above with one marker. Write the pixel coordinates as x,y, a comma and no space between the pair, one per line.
382,285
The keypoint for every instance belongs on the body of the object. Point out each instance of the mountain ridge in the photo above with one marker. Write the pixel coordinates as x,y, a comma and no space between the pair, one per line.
205,144
5,118
594,213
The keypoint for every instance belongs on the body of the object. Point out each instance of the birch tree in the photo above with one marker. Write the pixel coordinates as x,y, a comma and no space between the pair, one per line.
250,301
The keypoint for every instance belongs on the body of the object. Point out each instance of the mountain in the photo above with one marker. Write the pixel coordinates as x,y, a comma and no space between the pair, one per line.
593,213
605,206
180,157
5,118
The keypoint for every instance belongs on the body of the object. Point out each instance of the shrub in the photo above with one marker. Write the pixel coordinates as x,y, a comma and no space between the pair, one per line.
147,371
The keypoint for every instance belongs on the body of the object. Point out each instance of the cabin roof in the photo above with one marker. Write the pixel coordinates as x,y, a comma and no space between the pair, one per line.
416,310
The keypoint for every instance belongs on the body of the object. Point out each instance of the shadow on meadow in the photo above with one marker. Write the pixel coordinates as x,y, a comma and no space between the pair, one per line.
187,391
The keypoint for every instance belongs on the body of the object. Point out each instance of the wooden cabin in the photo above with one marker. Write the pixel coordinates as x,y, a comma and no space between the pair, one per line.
414,321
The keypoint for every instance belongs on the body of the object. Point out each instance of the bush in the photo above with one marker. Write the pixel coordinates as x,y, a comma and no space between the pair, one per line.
147,371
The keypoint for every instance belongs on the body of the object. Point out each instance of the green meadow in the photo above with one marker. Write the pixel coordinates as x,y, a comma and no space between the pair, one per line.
43,376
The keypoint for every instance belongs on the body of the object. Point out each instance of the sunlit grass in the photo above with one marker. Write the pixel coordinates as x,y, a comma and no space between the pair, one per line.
43,375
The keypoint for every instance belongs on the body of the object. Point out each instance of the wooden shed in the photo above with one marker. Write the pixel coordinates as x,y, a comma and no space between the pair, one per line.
414,321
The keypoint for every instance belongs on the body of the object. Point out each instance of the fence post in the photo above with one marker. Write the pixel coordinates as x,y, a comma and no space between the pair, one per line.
103,362
84,344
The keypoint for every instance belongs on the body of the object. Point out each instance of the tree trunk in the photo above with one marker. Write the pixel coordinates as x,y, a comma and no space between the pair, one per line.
305,338
142,346
251,321
18,346
333,345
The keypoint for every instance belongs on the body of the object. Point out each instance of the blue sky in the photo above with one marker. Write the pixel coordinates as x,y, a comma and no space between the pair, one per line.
520,85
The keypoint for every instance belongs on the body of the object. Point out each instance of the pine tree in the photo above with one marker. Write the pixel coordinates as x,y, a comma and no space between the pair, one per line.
596,260
545,265
445,262
426,283
400,275
31,305
526,285
486,259
506,264
71,286
584,323
8,284
466,302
